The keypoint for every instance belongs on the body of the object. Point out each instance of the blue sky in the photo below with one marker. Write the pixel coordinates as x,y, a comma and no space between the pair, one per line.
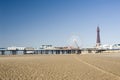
55,22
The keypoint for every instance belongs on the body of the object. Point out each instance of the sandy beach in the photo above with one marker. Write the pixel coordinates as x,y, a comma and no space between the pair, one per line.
104,66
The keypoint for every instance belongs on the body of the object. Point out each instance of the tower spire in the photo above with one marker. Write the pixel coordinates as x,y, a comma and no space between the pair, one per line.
98,42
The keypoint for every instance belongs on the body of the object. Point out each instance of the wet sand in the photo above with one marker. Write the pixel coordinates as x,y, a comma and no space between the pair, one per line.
61,67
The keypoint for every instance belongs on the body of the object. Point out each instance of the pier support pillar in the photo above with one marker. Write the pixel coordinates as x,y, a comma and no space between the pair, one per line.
79,52
24,52
14,52
3,52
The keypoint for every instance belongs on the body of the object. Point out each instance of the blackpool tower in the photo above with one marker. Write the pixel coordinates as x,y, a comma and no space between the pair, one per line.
98,38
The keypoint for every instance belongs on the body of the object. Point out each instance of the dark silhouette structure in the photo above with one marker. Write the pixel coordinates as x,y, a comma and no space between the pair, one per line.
98,42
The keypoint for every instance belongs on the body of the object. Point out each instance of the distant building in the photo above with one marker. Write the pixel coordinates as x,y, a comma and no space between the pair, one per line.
115,46
15,48
2,48
47,47
107,46
29,48
61,47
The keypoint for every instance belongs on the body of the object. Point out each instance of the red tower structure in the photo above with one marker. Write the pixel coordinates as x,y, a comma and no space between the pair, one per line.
98,42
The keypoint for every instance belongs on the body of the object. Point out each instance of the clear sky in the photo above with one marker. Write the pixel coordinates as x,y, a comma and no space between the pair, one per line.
37,22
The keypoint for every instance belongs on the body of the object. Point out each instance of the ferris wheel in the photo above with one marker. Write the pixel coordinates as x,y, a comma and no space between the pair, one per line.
75,42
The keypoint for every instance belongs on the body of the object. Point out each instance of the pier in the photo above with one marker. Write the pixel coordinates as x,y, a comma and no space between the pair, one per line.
51,51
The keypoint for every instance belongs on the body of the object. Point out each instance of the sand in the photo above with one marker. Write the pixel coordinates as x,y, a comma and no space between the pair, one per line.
60,67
